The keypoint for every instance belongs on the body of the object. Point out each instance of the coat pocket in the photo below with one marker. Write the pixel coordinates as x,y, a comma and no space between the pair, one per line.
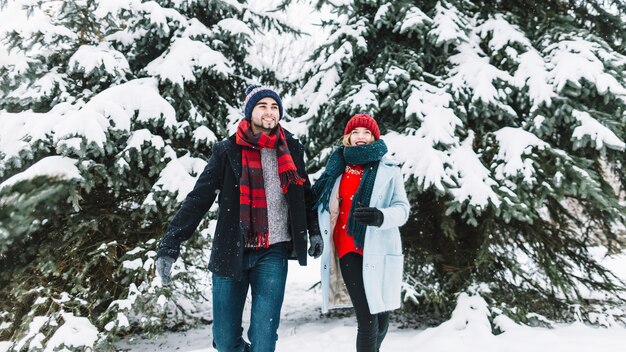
392,279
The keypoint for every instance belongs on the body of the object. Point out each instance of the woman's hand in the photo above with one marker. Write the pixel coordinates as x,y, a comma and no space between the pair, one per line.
369,216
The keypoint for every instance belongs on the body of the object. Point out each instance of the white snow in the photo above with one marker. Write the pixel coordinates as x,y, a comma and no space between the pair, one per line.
362,97
234,26
139,137
132,264
431,106
600,135
514,145
355,31
120,104
33,337
502,33
184,58
303,328
446,26
532,72
115,6
474,182
54,166
84,123
166,19
176,176
414,18
89,58
472,70
575,60
427,165
75,332
203,135
196,28
381,14
114,108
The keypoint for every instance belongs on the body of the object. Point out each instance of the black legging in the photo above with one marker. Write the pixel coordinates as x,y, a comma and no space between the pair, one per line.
372,328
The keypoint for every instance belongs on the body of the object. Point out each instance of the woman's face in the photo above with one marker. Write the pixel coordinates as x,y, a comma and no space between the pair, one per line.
361,136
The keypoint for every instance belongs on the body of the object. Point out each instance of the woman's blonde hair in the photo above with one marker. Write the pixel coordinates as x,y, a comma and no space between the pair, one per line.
345,140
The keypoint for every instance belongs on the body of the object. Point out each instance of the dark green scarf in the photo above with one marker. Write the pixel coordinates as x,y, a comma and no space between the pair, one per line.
368,155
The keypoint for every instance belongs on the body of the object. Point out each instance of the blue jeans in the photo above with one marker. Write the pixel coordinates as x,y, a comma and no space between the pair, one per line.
265,272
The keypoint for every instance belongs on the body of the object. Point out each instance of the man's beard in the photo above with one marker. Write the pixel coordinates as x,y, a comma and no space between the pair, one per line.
267,127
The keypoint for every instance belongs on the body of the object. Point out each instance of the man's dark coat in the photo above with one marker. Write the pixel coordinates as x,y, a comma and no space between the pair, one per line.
221,176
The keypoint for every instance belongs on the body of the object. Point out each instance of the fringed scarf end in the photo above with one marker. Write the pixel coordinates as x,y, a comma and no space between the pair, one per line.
288,177
259,240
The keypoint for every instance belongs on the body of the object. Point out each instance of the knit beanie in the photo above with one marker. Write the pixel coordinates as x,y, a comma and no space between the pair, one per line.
363,120
256,92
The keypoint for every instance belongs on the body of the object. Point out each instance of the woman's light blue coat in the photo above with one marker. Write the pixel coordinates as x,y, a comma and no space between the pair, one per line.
382,251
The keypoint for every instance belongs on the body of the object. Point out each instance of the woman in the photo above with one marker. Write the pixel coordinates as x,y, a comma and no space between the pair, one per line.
361,203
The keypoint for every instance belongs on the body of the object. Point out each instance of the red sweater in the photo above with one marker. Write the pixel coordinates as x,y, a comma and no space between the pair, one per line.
348,186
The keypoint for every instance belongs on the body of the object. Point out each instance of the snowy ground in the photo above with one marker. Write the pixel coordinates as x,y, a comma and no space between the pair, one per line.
303,329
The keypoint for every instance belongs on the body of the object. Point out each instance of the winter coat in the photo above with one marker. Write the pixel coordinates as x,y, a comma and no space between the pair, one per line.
220,179
382,251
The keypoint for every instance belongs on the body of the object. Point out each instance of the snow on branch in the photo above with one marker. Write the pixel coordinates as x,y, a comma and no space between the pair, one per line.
362,97
447,26
141,96
515,144
473,71
503,33
355,31
532,73
179,64
599,135
382,14
89,59
234,27
54,166
113,7
114,108
413,20
431,105
576,60
177,178
420,160
161,16
475,184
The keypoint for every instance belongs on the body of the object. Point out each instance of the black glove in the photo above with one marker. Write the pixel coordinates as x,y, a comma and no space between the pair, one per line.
163,268
369,216
317,245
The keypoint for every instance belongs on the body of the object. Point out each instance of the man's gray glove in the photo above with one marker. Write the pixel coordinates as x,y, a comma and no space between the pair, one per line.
163,268
317,245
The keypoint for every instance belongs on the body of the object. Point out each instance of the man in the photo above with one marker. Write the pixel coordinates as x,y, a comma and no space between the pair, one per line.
265,208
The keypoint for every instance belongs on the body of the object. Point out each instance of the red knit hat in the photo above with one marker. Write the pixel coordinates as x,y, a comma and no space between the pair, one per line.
363,120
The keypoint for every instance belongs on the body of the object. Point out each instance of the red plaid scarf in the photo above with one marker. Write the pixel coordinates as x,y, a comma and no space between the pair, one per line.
252,203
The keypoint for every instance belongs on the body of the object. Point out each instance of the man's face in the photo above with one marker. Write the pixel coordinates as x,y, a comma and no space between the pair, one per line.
265,116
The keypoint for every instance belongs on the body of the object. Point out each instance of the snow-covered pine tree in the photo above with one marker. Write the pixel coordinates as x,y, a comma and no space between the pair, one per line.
509,120
108,110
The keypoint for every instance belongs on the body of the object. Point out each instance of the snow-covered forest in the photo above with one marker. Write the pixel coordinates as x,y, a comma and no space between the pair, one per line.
508,119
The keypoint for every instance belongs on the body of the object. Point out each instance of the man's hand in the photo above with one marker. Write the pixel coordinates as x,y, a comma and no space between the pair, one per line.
369,216
163,268
317,245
